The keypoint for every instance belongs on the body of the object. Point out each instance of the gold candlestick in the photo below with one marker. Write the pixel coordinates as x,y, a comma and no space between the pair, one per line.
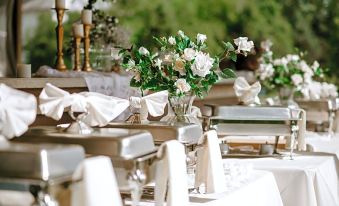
87,65
60,64
77,65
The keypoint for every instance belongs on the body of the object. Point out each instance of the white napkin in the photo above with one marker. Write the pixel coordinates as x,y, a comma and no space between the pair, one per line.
247,94
209,170
171,175
101,109
97,184
153,104
17,110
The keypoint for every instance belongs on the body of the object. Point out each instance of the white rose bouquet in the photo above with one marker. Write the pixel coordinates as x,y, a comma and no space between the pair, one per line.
290,71
182,65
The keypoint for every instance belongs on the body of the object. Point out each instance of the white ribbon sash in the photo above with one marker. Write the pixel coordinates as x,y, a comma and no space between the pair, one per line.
154,104
17,110
100,109
247,94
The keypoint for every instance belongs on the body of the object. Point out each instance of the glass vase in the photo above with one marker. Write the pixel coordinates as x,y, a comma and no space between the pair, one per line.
180,110
286,97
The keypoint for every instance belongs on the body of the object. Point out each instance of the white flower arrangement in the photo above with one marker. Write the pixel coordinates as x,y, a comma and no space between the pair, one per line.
290,71
183,65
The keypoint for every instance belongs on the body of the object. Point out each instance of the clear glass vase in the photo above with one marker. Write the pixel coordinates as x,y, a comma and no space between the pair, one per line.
286,97
180,110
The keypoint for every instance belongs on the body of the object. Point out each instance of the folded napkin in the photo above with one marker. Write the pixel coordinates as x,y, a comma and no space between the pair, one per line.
209,170
97,184
171,176
100,109
247,94
17,110
153,104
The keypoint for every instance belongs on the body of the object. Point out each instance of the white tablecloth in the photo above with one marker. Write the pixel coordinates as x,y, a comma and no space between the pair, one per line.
259,190
305,181
321,142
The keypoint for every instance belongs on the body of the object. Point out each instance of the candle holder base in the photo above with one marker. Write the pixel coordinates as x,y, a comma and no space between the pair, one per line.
87,68
61,67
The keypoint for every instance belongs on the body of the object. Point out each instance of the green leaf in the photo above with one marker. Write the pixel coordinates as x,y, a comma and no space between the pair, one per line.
228,46
228,74
233,56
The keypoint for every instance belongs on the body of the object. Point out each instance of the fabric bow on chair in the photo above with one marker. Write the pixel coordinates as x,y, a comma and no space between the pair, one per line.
17,110
153,104
100,109
247,94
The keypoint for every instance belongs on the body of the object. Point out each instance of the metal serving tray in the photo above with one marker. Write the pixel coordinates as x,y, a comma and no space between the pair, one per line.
118,144
185,133
246,120
43,162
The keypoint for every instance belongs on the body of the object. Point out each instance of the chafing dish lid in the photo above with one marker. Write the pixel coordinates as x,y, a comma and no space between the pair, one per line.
39,162
117,143
186,133
257,113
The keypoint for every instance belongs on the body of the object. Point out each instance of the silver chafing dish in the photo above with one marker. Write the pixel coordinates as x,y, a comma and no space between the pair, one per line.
254,121
320,113
186,133
37,168
132,151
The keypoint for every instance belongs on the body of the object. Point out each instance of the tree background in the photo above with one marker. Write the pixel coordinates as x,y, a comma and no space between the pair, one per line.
309,25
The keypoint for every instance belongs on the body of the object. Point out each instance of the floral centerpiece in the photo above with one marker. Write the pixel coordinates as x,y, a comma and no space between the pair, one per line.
288,74
182,66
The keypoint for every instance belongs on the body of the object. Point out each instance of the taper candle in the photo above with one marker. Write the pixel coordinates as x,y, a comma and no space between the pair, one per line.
60,4
78,30
86,16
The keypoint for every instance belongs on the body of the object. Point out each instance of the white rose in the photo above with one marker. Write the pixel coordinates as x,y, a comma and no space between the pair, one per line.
171,40
292,57
265,71
182,86
189,54
297,79
315,65
266,45
280,62
308,77
180,66
303,66
143,51
202,64
243,44
201,38
130,64
157,63
181,33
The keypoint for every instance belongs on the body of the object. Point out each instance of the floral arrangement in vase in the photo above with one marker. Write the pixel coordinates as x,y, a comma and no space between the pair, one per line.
182,66
288,74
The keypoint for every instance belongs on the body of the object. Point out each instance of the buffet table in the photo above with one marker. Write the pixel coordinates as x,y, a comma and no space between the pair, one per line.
321,142
259,190
308,180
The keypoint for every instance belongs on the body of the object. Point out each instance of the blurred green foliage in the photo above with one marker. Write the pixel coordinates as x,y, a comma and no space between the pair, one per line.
309,25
